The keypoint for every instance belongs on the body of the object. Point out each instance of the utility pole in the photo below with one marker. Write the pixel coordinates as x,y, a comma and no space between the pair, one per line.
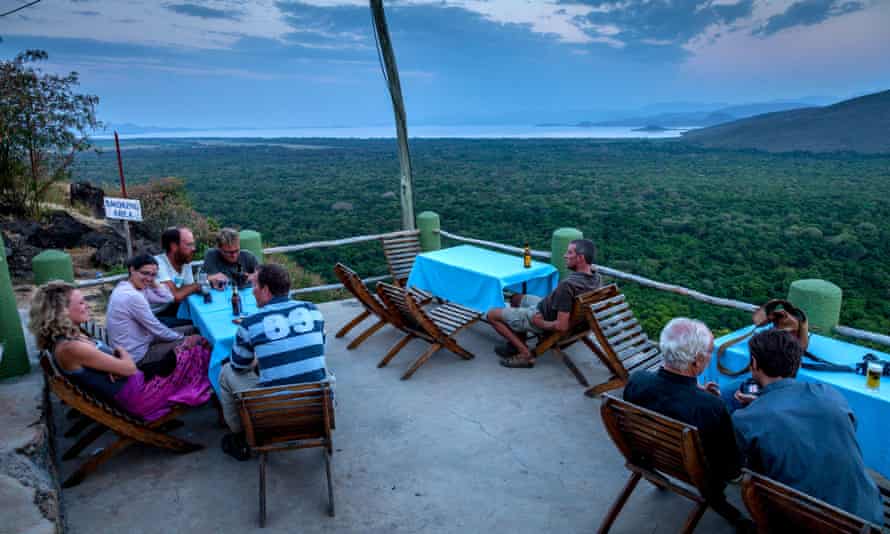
391,73
120,170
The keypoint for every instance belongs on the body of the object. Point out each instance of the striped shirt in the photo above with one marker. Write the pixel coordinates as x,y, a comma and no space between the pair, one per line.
287,339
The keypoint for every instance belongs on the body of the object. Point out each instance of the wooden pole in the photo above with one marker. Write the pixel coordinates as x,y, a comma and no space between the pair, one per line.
391,73
120,170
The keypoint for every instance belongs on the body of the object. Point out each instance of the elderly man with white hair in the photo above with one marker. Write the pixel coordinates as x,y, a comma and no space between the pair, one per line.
686,345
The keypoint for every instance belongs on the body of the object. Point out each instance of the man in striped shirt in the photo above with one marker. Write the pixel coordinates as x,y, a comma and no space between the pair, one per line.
283,343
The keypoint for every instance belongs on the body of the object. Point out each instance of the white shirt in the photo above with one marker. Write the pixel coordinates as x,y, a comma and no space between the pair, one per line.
166,272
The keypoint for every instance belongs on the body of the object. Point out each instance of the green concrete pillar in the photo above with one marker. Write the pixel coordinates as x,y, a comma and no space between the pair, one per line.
559,243
15,354
428,224
820,300
252,241
52,265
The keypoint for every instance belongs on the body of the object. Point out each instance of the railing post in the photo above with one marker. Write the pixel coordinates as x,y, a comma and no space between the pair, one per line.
820,300
559,244
15,354
252,241
52,265
428,224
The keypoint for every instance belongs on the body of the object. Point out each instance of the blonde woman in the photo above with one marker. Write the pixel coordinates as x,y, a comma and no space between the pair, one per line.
57,309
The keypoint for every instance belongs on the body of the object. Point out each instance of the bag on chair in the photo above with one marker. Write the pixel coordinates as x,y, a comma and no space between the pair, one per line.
779,313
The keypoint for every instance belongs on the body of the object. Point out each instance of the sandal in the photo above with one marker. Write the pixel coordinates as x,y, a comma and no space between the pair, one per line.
518,363
506,350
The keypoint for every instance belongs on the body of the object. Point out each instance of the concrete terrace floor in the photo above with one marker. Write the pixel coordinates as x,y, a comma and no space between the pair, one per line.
464,446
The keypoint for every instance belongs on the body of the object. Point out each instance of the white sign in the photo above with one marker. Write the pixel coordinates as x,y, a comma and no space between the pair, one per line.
125,209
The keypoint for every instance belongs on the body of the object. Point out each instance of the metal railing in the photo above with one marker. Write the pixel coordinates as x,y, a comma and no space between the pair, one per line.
847,331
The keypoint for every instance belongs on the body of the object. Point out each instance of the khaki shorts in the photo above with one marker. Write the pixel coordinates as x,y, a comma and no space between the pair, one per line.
520,319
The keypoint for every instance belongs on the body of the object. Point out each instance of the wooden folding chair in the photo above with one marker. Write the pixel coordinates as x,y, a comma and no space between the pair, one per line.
372,306
558,342
622,345
778,508
129,428
438,327
400,252
661,450
81,421
371,302
282,418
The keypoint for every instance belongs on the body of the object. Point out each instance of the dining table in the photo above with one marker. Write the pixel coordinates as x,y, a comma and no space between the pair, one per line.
870,407
477,277
216,322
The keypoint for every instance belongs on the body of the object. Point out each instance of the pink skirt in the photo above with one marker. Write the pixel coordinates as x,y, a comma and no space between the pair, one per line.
188,384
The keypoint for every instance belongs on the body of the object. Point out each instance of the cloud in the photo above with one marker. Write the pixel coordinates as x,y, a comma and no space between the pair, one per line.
327,28
808,13
204,12
650,22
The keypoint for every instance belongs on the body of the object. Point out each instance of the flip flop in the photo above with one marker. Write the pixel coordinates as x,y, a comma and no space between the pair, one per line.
517,363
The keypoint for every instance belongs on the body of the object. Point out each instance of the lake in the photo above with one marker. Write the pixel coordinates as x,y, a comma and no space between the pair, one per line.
371,132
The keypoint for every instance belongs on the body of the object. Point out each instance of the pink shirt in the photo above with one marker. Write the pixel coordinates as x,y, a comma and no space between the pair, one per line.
130,322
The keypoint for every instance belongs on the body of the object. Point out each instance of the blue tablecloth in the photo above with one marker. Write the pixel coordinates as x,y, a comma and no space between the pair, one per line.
214,321
476,277
871,408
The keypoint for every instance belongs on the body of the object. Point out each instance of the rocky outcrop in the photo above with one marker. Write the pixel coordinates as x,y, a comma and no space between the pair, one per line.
25,239
86,194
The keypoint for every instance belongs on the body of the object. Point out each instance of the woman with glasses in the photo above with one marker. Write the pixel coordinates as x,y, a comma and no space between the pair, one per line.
56,311
132,325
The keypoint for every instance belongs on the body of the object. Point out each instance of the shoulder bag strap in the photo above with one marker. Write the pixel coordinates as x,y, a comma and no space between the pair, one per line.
725,345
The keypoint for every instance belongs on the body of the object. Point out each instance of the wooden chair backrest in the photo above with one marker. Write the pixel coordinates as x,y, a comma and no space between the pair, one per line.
654,442
291,416
618,333
77,398
354,284
400,252
775,507
395,300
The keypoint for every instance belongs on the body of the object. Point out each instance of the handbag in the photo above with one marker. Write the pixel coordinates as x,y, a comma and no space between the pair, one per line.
779,313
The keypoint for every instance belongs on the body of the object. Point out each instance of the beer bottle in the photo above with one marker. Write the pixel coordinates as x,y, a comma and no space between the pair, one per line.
236,301
527,257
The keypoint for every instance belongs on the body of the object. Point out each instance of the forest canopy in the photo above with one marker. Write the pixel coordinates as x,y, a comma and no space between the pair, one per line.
737,224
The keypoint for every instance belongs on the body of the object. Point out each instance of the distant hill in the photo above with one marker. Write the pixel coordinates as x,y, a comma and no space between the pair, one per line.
860,125
703,118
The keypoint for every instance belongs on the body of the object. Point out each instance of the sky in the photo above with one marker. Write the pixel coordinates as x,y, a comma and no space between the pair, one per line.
282,63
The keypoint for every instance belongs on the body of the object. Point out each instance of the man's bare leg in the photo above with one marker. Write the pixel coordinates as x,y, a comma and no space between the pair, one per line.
495,317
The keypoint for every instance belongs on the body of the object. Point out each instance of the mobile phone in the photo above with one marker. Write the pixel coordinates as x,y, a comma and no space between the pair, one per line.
750,387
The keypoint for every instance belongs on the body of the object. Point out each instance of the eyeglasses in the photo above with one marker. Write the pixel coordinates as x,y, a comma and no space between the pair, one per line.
230,252
149,274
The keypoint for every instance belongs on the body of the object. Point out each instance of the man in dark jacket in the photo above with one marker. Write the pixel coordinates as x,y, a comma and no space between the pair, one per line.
686,346
802,434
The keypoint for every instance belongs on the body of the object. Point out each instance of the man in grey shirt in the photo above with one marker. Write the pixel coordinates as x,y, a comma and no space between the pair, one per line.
802,434
529,313
222,263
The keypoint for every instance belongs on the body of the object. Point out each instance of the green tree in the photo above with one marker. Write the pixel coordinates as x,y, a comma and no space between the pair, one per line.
44,123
